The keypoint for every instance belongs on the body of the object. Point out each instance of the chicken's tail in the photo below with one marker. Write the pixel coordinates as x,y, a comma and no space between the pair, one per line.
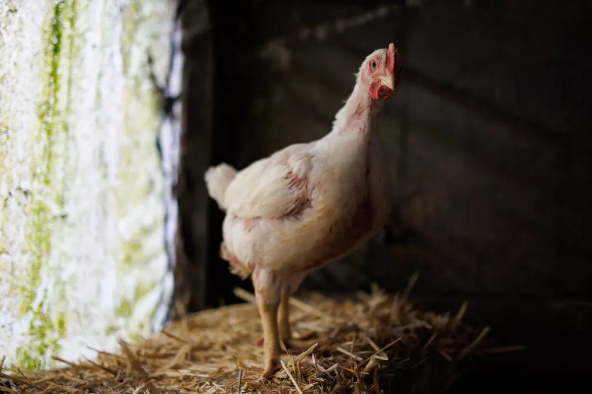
217,180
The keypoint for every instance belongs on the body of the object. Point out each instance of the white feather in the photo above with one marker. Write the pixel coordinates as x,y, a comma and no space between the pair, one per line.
217,180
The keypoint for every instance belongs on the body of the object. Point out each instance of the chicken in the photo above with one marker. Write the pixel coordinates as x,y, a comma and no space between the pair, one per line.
308,204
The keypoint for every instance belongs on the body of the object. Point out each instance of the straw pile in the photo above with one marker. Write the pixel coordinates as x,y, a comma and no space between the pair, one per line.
378,343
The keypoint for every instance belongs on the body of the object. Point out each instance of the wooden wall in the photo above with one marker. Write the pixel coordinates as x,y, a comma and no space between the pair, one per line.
488,137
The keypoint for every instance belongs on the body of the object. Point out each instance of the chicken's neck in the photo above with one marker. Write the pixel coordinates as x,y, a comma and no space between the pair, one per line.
358,113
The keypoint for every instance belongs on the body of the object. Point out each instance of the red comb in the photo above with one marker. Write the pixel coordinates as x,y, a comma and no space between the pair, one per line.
390,58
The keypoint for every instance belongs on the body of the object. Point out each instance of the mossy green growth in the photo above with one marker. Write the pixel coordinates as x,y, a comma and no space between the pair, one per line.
49,108
62,325
48,113
141,290
28,360
124,309
111,330
40,246
133,250
129,28
3,140
45,335
42,329
72,53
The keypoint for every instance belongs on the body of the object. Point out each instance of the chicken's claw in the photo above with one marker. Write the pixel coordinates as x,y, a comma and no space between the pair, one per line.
270,369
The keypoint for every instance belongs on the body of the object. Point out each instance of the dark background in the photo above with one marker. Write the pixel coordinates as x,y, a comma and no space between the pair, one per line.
489,144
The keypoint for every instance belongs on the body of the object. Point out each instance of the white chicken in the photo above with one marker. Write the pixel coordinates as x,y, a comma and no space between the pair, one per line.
308,204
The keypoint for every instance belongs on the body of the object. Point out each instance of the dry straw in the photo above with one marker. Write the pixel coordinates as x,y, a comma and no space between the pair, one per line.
377,344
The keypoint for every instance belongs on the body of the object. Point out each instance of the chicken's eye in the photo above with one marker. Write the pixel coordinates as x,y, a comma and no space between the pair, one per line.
373,64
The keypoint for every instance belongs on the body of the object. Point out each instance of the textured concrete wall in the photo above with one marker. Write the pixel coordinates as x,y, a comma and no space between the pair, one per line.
81,213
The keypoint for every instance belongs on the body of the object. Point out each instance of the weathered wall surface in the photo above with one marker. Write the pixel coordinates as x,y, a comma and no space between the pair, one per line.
81,213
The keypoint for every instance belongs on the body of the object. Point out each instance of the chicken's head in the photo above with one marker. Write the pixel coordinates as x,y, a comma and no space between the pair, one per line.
380,72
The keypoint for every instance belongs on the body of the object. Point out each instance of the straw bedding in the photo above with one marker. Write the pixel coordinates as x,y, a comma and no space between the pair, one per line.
376,343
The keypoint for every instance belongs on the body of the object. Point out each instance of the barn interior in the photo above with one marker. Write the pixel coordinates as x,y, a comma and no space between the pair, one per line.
488,139
111,276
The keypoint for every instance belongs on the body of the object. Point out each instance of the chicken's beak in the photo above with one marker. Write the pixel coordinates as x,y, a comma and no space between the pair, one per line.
388,81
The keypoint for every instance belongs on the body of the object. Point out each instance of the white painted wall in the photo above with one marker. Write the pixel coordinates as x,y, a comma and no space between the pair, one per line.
81,213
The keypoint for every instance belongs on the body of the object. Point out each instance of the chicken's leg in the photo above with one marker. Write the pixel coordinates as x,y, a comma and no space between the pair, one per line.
268,292
284,326
271,344
284,318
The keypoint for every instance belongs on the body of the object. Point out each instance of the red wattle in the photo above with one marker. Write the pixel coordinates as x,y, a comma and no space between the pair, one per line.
375,90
